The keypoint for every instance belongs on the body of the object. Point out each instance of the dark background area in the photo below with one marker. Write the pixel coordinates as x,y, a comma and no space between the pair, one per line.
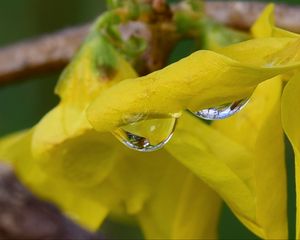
23,104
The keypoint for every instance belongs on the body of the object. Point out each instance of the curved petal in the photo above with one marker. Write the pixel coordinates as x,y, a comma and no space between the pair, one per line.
290,122
225,166
63,159
265,25
96,67
258,128
75,203
183,207
204,79
63,142
236,158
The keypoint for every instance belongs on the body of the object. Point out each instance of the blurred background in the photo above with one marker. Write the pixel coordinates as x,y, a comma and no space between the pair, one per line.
23,104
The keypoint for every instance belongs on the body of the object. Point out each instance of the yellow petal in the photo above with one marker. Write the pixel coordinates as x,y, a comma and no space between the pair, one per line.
204,79
9,143
290,121
84,78
220,160
74,202
265,25
202,211
63,142
70,161
162,194
258,128
224,165
136,176
182,207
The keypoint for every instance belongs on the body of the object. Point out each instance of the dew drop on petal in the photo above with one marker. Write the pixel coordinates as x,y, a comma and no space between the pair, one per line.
146,135
223,111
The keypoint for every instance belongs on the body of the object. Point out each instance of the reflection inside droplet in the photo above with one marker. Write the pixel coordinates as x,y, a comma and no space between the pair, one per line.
223,111
146,135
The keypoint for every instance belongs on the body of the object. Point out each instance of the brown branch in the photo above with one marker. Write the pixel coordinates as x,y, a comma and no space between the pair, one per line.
155,34
23,216
55,50
243,14
41,55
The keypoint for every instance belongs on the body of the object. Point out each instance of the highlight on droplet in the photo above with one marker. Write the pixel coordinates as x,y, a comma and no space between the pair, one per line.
223,111
146,135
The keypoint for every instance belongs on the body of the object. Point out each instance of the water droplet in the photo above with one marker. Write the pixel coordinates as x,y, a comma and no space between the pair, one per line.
223,111
147,135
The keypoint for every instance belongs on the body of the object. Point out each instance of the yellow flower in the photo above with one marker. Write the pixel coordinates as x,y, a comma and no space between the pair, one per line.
71,158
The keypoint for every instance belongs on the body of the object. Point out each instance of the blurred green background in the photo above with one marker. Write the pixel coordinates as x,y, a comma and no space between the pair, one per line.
23,104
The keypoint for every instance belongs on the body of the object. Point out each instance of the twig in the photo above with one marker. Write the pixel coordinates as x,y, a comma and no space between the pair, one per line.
23,216
40,55
243,14
55,50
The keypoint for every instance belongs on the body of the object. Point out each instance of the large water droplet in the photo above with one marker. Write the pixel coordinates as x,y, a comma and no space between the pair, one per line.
146,135
223,111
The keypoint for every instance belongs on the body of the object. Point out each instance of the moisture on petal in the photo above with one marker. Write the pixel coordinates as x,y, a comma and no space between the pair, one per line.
202,80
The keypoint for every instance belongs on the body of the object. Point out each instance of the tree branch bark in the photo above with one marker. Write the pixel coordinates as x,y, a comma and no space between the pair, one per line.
54,51
242,15
44,54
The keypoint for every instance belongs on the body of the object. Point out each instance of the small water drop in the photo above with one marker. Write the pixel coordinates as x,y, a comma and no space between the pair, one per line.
223,111
147,135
